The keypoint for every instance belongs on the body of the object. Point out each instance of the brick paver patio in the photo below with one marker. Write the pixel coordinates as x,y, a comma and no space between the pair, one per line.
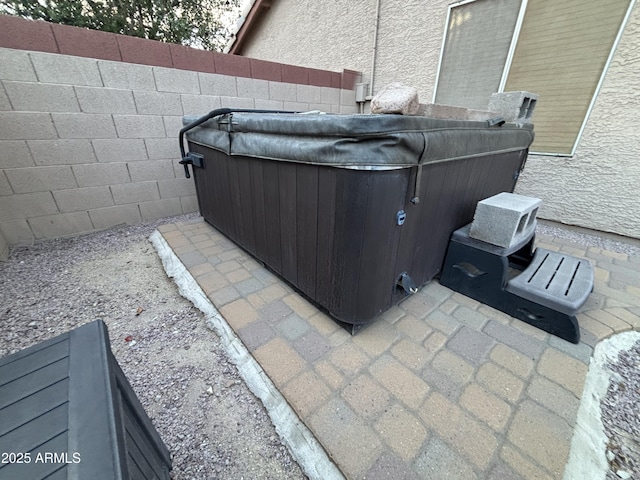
439,386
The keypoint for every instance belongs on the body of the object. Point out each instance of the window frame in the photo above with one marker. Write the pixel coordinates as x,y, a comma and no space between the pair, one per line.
512,48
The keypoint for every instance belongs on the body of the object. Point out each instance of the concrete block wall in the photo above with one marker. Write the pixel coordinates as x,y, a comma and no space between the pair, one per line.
87,143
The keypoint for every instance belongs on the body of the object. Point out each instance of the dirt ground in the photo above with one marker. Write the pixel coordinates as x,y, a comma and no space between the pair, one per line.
212,424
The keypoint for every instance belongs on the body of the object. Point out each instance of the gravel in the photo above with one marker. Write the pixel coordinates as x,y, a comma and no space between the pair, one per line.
620,411
212,424
630,247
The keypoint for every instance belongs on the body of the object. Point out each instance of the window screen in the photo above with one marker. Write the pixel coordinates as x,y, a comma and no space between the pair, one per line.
476,45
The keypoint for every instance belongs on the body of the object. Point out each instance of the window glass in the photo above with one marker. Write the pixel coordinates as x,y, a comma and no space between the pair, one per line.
476,45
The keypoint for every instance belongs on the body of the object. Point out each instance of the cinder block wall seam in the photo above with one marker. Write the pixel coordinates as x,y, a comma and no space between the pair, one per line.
6,94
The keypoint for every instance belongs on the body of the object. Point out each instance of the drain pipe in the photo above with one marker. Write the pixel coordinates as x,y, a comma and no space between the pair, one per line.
375,50
364,92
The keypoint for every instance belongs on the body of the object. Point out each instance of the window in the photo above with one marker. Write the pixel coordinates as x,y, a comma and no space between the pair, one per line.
475,50
558,50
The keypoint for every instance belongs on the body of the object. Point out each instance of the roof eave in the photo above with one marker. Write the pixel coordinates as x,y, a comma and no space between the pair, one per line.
246,24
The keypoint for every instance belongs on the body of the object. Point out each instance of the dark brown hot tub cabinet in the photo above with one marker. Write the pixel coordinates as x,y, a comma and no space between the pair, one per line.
355,211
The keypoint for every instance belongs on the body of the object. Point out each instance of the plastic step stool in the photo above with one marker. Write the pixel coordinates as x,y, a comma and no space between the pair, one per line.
558,281
547,291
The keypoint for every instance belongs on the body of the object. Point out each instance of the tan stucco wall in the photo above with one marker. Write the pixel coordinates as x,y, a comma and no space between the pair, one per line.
597,188
317,34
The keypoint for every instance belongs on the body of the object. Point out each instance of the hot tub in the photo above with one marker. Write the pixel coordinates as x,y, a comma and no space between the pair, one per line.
354,211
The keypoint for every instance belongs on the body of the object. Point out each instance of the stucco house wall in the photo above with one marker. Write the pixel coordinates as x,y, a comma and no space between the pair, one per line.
342,32
89,122
596,188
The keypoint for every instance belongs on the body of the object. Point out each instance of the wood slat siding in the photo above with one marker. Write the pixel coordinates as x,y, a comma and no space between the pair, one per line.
345,255
271,202
261,227
561,52
236,197
377,275
449,194
332,232
307,226
288,220
326,263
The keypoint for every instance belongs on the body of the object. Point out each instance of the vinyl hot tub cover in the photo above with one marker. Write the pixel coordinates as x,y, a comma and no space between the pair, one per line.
354,211
368,142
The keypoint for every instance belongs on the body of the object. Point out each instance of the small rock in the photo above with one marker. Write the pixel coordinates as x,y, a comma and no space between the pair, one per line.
396,98
622,474
610,455
33,324
210,390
